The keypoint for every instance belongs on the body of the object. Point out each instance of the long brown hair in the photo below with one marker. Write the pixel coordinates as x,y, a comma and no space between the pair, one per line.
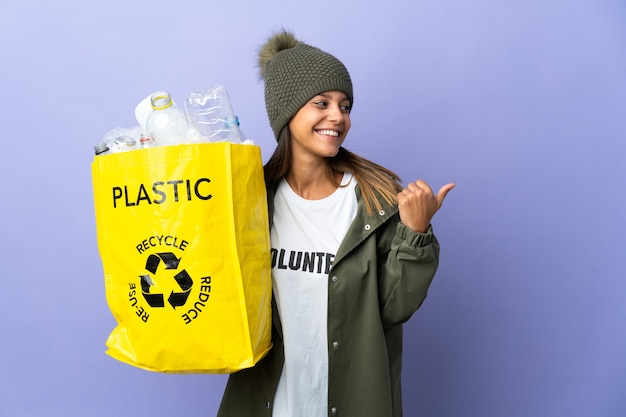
373,179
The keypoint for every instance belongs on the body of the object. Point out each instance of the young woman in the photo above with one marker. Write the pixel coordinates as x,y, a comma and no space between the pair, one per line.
353,253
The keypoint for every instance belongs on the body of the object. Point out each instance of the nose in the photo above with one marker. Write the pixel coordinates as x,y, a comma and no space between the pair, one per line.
335,112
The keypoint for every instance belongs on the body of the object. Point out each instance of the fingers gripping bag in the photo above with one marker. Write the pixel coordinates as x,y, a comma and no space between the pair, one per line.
183,236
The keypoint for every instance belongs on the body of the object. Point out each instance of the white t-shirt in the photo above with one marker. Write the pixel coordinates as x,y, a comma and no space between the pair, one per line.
305,236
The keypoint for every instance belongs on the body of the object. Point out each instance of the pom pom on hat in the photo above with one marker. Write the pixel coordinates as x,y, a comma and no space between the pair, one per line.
279,42
293,73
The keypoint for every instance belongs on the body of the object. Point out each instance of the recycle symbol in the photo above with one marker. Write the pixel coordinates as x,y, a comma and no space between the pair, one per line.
176,299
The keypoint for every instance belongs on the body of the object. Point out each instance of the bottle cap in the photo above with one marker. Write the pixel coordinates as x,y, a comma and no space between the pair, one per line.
101,148
124,142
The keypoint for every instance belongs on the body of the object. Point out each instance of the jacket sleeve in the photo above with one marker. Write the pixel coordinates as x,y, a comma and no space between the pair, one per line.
407,265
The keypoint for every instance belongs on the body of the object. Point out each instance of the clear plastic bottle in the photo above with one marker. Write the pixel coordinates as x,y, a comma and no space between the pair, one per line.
123,144
167,124
146,141
242,135
211,114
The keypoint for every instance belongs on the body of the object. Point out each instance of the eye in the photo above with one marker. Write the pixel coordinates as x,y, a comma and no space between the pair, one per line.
346,107
321,103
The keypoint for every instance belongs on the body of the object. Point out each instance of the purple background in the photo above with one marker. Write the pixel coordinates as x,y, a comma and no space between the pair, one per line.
521,103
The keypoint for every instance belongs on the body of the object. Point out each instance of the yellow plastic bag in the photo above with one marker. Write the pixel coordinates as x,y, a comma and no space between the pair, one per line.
184,241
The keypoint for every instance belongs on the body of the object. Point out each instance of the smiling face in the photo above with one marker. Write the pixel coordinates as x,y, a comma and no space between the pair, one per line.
319,128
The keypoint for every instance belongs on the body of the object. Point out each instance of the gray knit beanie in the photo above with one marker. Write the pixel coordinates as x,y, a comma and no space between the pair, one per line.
295,72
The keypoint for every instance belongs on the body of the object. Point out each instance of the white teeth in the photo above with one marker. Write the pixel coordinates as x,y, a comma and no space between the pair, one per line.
329,132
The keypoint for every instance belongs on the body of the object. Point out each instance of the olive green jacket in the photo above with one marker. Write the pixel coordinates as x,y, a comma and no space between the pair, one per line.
379,278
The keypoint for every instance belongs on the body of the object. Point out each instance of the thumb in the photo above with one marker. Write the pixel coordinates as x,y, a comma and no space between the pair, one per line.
443,192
